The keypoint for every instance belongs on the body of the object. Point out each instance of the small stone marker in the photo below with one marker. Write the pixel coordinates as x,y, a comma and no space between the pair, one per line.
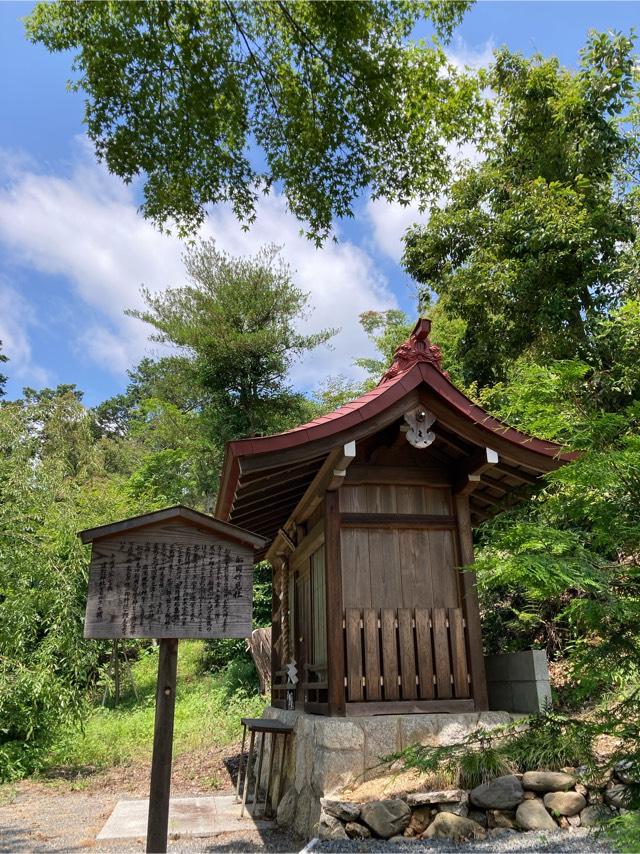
171,574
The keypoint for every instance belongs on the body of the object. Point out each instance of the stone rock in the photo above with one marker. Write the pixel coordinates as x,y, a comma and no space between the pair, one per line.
489,720
581,789
564,803
381,738
548,781
501,818
303,821
338,734
563,821
461,808
420,821
329,827
334,769
453,728
529,796
287,808
448,826
503,793
501,831
531,815
304,750
594,814
574,820
444,796
479,816
355,830
616,795
344,810
419,729
624,771
386,818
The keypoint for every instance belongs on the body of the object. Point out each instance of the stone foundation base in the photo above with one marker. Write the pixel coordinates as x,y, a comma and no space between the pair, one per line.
326,754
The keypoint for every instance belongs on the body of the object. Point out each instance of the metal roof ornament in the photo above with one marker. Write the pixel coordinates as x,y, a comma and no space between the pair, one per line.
418,433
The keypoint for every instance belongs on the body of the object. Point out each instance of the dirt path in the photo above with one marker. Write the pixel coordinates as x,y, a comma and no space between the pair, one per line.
63,812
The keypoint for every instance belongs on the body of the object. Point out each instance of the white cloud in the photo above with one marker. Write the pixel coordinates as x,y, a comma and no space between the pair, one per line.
16,320
85,228
389,221
462,55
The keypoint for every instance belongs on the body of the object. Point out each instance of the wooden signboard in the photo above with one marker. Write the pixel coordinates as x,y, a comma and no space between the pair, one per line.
170,574
169,581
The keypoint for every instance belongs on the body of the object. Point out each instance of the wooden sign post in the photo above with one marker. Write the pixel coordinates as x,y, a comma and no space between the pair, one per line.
170,574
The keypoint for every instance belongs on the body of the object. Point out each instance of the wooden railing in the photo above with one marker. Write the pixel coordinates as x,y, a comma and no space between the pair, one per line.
315,683
405,654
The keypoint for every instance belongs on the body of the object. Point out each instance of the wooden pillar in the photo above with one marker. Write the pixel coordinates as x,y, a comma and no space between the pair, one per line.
470,605
276,607
335,610
160,789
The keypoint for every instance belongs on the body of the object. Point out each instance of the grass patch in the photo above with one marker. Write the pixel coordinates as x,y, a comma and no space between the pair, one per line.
208,711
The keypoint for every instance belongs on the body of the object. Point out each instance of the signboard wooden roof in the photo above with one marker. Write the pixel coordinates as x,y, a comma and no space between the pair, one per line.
173,573
209,523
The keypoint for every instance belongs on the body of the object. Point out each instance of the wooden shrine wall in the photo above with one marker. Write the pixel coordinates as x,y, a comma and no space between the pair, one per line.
405,635
392,565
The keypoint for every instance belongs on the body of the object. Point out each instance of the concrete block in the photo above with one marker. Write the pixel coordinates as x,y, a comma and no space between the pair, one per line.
497,668
500,695
531,697
530,664
518,681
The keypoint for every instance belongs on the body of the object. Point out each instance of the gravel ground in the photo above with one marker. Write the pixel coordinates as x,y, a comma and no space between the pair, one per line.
581,841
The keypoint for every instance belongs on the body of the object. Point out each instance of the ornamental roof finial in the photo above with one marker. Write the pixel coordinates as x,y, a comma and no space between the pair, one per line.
418,348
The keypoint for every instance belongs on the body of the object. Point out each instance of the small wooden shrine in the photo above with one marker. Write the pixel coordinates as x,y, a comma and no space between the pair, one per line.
368,512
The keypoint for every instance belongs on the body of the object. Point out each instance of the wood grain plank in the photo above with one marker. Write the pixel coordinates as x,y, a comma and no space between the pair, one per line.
407,654
425,654
441,653
443,569
372,654
335,610
391,574
458,654
354,655
356,570
389,653
424,571
377,569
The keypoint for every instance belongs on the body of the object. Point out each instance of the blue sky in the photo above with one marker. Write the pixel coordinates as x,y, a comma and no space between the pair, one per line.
74,251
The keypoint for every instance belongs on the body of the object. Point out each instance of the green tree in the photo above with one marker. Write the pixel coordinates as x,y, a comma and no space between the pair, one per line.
53,482
235,326
537,240
336,96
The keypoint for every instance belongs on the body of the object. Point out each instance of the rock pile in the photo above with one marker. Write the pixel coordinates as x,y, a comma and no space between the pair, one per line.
536,800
